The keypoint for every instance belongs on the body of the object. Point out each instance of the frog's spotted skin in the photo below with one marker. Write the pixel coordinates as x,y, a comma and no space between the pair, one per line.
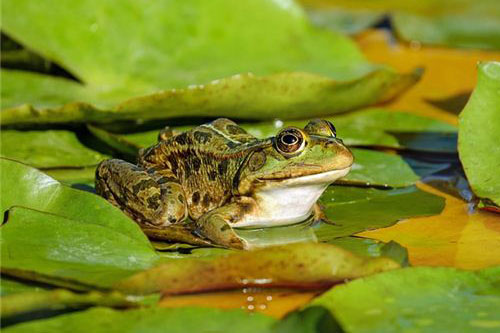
222,177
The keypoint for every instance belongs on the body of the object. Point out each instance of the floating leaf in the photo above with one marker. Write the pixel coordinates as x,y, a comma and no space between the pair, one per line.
58,299
370,168
151,320
285,95
30,188
478,135
47,149
303,265
344,20
50,248
9,286
314,319
373,248
418,299
353,210
453,238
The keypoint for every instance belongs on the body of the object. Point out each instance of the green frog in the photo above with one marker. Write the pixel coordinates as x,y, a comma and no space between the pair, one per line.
216,177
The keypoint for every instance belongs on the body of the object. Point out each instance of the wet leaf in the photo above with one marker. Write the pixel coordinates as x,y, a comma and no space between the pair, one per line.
420,298
302,265
47,149
50,248
150,320
285,95
353,209
478,134
58,299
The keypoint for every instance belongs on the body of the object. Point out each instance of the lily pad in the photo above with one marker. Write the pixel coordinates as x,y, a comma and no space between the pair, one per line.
50,248
58,299
370,169
353,209
28,187
302,265
419,299
478,134
47,149
152,320
285,95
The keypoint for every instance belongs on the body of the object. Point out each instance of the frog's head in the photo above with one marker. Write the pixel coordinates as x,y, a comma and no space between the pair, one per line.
296,158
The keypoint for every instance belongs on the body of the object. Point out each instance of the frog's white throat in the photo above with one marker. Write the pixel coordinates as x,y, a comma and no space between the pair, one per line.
289,201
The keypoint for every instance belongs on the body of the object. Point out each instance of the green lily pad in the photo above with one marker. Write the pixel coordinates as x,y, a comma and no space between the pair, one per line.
300,265
152,320
58,299
321,72
344,20
10,286
47,149
373,248
476,25
285,95
65,236
368,127
353,209
370,168
314,319
479,125
419,299
51,248
28,187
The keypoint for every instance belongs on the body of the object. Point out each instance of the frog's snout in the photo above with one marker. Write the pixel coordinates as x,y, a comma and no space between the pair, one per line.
344,157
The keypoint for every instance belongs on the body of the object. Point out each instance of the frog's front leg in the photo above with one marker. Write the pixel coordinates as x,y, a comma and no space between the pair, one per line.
147,197
216,224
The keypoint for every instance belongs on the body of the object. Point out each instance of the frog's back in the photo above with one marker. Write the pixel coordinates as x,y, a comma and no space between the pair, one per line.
204,161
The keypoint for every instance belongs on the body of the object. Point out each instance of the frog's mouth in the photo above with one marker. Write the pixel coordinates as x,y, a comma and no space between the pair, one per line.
326,177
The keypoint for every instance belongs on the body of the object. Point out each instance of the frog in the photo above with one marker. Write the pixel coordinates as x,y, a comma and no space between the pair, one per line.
216,178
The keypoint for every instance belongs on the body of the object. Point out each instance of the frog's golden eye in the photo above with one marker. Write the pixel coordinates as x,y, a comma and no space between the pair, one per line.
321,127
290,141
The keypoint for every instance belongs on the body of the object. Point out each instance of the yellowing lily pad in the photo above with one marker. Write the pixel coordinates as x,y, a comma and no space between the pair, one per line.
300,265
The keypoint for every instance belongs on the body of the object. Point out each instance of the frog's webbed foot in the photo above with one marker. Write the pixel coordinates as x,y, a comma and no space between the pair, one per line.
146,198
215,225
319,215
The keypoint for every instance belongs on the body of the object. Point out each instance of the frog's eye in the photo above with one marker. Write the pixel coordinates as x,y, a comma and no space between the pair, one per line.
321,127
290,141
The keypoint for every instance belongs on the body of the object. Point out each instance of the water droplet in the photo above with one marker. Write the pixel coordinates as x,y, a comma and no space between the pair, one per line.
262,306
250,299
192,86
244,281
245,290
251,307
269,298
278,123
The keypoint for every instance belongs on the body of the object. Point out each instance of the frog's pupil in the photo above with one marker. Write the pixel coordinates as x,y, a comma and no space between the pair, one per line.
289,139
